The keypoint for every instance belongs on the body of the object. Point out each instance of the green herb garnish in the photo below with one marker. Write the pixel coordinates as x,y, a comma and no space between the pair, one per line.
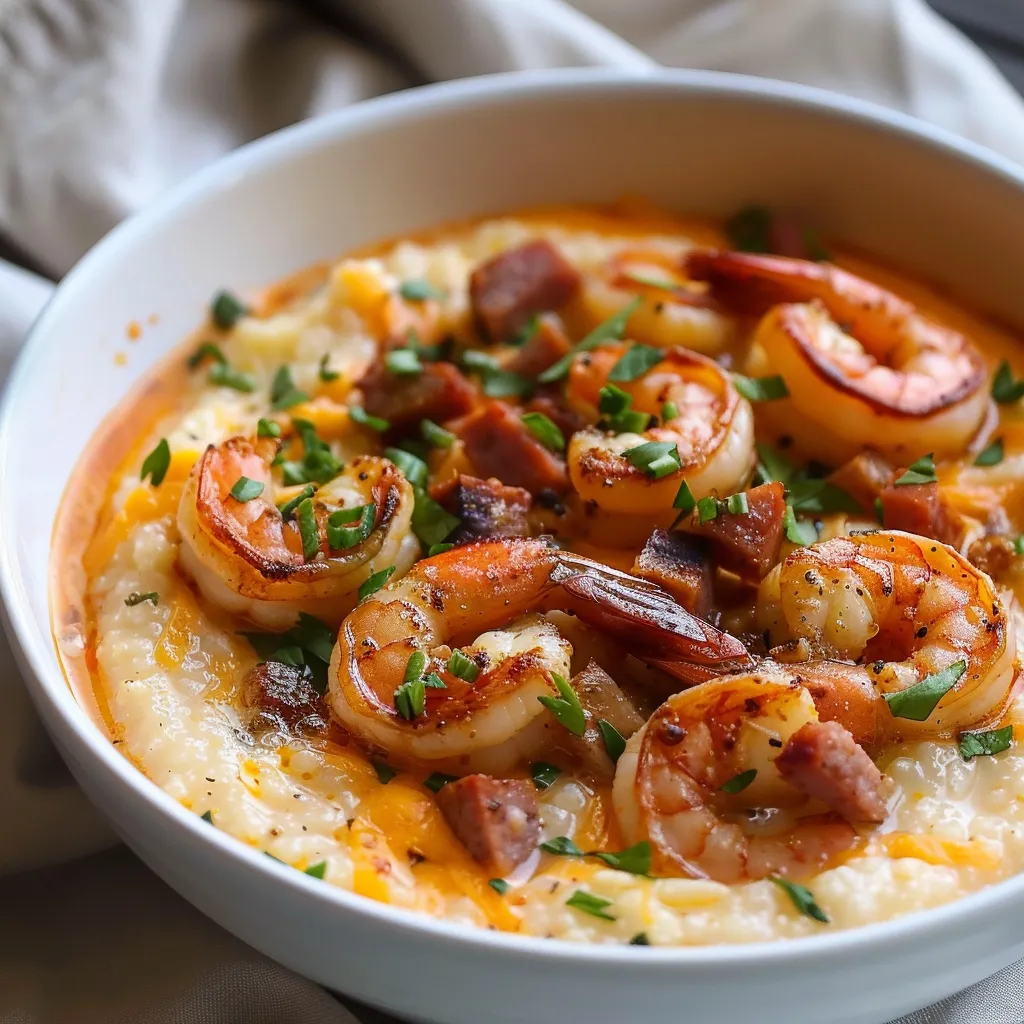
357,414
283,392
436,781
207,350
317,870
499,885
611,329
1006,390
738,783
684,501
287,510
760,389
135,598
495,381
156,463
802,897
385,773
463,667
430,521
614,742
327,375
417,290
640,939
635,362
267,428
917,702
707,509
544,774
562,846
403,362
982,744
566,708
669,411
636,859
246,489
438,549
309,531
655,458
373,583
650,282
348,527
737,504
614,404
413,468
920,472
544,431
992,455
799,532
435,436
590,904
207,816
227,310
224,376
749,230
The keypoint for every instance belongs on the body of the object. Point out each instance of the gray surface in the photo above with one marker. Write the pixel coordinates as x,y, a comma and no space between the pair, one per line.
997,26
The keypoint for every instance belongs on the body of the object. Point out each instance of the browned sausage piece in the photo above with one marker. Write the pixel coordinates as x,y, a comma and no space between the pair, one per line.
681,564
499,444
920,509
863,477
438,393
748,543
544,349
824,761
497,820
509,288
284,695
601,699
486,508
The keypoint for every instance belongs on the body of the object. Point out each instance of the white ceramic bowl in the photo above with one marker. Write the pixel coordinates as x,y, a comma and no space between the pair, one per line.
699,142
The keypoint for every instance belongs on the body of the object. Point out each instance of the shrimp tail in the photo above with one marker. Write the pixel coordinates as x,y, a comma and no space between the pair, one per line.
648,619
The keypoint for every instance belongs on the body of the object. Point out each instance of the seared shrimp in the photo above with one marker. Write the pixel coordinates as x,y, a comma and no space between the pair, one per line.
863,367
247,558
497,588
672,311
902,608
712,429
738,732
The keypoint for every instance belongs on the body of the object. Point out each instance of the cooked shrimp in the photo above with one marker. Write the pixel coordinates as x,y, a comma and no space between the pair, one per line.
672,310
712,429
863,367
245,557
901,608
668,784
498,588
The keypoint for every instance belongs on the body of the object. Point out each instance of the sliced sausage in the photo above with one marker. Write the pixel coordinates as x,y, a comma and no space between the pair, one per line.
548,344
551,402
601,700
283,695
824,761
486,508
863,477
747,543
509,288
682,565
498,443
439,393
497,820
920,509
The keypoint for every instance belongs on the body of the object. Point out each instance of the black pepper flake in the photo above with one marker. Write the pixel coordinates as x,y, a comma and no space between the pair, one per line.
922,633
773,742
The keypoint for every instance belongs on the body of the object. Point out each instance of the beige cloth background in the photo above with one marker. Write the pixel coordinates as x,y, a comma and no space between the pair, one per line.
103,104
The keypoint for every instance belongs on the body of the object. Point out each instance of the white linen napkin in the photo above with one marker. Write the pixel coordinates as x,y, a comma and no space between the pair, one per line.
103,104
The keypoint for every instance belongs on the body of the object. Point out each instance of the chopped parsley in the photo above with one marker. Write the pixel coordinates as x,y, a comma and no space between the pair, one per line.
636,860
495,381
156,463
750,229
566,708
562,846
135,598
590,904
800,532
917,702
684,501
374,582
403,362
992,455
544,430
207,816
307,644
654,458
268,428
317,870
246,489
430,521
611,329
438,549
983,744
760,389
225,376
417,290
635,362
327,375
920,472
499,885
738,783
651,282
802,897
1006,390
669,411
357,414
318,463
640,939
614,405
436,781
385,773
435,436
283,392
226,310
737,504
207,350
707,509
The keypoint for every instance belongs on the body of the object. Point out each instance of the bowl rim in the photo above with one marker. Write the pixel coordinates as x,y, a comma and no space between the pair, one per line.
51,692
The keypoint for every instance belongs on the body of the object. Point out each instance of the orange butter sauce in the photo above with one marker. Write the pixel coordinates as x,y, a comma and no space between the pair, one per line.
402,815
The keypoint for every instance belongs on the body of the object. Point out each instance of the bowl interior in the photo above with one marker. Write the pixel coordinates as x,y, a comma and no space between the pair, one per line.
698,143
